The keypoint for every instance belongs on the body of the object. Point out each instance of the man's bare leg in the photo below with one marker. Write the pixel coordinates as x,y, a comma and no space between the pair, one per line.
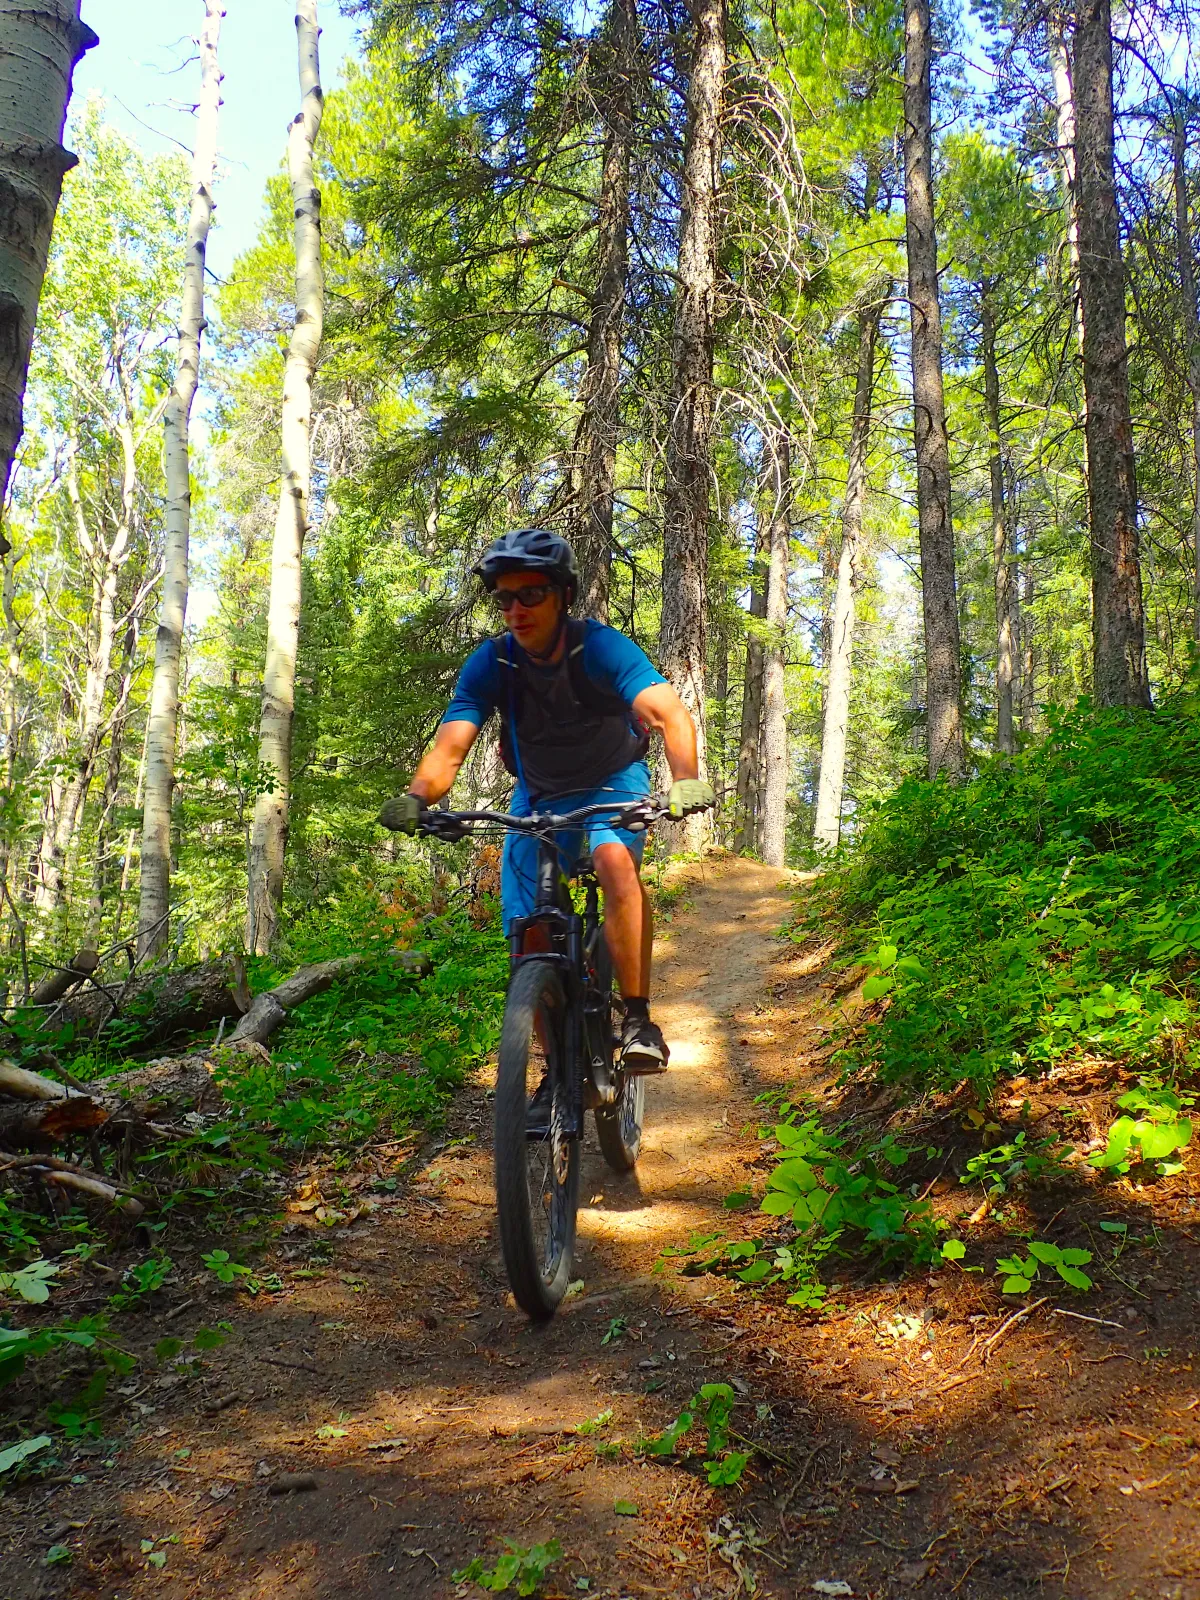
628,919
629,929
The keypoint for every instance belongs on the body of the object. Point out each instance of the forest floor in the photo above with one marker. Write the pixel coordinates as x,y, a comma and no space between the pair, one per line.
914,1438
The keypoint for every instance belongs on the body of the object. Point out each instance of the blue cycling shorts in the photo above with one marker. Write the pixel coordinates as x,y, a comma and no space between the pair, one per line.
518,865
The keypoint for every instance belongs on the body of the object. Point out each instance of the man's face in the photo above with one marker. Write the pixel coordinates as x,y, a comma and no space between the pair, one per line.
532,626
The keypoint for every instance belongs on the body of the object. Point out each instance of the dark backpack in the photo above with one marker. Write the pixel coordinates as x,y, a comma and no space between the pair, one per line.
590,697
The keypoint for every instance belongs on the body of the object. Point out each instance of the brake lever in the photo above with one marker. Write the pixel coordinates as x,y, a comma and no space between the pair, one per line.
638,818
437,825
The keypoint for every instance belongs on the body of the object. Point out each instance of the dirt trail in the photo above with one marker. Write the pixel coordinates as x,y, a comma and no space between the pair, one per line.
437,1423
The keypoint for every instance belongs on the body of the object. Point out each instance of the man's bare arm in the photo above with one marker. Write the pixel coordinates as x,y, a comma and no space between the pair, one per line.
439,766
661,709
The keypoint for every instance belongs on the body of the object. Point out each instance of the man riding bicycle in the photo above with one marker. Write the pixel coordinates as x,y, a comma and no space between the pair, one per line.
577,702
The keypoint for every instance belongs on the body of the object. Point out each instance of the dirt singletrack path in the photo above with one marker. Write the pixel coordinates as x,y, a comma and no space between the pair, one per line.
917,1437
398,1374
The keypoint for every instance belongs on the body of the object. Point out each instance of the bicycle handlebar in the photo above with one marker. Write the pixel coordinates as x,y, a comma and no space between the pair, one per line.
635,816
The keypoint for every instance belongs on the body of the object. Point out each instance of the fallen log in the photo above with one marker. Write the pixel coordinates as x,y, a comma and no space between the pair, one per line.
25,1085
63,979
132,1103
96,1189
166,1088
268,1011
69,1176
149,1104
37,1125
161,1006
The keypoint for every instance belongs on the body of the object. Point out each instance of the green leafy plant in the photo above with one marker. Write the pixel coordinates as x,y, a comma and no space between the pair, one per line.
1020,1272
225,1267
594,1424
519,1568
1154,1134
1052,904
78,1417
712,1408
19,1346
887,966
16,1454
826,1188
1010,1165
617,1329
169,1349
33,1282
141,1280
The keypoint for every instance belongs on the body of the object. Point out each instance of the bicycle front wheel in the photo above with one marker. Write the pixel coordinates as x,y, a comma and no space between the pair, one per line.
537,1179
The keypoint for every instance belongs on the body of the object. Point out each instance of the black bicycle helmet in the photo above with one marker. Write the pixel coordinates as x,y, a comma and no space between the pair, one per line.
531,550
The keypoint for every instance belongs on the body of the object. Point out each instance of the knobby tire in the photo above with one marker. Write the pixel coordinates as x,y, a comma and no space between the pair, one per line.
537,1182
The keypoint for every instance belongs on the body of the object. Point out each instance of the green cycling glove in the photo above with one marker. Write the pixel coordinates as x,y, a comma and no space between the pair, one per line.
688,795
401,813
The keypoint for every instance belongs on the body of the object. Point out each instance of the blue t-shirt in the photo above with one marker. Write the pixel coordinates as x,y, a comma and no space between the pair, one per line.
611,660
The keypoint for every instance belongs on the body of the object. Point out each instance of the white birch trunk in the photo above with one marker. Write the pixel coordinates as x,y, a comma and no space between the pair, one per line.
41,42
773,830
835,728
1002,572
106,560
1028,657
163,715
112,781
269,836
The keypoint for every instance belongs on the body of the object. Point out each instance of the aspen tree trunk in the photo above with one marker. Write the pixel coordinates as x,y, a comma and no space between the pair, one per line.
112,782
41,43
1118,641
601,390
1191,329
1028,659
127,853
269,836
749,766
943,667
163,714
106,560
1001,567
835,726
688,465
12,707
773,827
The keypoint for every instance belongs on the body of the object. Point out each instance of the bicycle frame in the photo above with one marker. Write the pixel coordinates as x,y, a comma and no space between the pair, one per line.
571,936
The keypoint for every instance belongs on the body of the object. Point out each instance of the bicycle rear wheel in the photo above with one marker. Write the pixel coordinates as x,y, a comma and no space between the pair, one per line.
537,1180
619,1125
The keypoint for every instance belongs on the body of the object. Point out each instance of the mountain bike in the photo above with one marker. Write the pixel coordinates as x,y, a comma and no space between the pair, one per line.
559,1024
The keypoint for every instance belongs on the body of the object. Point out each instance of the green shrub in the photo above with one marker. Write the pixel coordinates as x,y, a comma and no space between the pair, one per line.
1049,906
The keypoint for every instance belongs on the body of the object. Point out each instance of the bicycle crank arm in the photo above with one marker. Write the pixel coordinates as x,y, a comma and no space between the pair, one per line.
600,1086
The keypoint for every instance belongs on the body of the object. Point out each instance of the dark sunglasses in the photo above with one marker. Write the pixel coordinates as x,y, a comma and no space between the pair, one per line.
531,594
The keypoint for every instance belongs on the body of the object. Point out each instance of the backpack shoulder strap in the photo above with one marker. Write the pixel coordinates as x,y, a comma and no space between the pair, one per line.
589,693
